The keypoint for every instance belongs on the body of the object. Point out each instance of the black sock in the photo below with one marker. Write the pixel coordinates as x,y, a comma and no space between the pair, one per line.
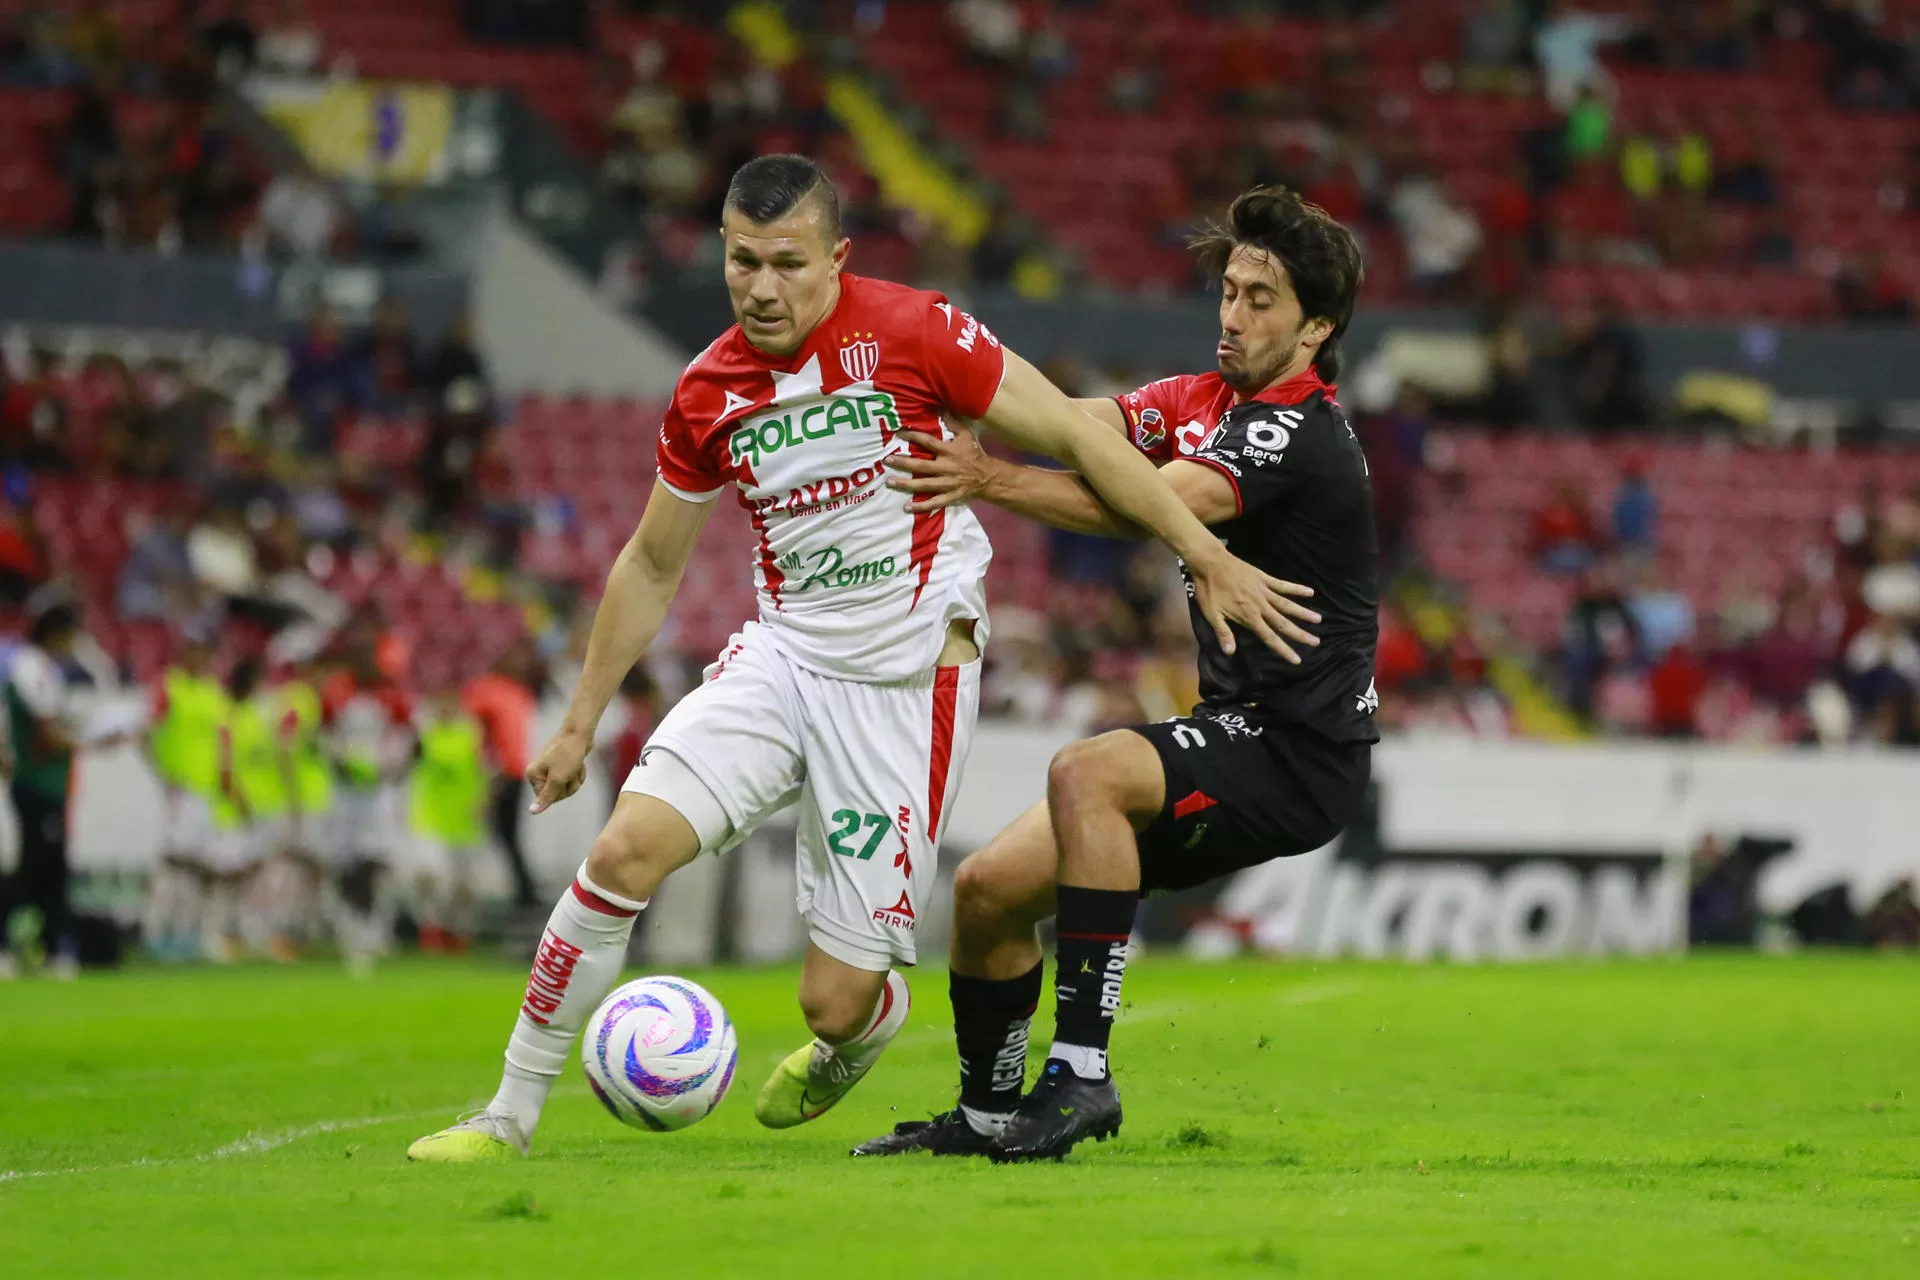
990,1020
1090,959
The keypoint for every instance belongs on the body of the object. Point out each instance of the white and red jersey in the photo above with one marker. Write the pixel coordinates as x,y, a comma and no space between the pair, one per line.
855,585
1171,418
369,727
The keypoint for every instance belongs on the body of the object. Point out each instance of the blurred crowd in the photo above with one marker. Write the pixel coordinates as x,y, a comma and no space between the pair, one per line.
1581,189
146,154
683,106
324,783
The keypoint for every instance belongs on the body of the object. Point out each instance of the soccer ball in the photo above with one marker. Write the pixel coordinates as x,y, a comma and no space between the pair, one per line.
659,1053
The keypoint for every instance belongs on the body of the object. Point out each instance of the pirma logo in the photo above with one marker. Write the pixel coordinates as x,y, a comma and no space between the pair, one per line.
860,356
898,916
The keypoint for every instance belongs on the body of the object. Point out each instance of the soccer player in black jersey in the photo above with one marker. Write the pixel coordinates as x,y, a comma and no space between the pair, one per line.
1273,762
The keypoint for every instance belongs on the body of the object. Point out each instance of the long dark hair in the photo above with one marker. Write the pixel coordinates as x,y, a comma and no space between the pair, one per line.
1320,257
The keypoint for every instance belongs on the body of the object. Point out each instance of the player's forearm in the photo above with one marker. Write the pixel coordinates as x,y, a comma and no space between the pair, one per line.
631,611
1131,485
1057,498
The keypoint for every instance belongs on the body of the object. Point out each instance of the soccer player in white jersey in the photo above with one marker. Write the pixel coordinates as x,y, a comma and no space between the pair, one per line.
856,690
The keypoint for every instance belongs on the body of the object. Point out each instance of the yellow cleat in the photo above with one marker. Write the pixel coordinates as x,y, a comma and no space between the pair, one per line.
811,1079
483,1137
804,1087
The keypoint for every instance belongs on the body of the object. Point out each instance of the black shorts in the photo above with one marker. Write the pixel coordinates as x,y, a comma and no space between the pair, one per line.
1240,791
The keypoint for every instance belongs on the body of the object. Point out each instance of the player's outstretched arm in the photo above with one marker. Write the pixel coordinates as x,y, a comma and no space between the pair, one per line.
640,587
959,470
1035,415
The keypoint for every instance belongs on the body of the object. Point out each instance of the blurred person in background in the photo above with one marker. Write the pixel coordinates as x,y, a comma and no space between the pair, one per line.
156,579
447,806
23,555
1604,368
252,820
321,380
504,701
368,722
1636,511
1566,46
1442,238
622,734
188,714
299,710
1560,534
386,359
450,460
298,214
455,358
1665,615
34,417
43,738
1602,636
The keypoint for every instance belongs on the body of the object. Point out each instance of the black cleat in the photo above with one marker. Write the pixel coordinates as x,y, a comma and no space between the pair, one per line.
947,1134
1061,1110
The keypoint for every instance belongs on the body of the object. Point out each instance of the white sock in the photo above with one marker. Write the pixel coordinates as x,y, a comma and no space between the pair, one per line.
173,905
988,1124
220,913
577,964
889,1015
1087,1063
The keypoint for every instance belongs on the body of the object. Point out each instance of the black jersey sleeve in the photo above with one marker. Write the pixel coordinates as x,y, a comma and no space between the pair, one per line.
1261,449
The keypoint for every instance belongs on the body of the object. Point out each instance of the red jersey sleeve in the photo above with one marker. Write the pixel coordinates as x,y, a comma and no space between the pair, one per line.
964,362
1155,410
684,464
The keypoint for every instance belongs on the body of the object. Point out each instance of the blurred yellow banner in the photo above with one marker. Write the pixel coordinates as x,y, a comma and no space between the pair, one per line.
377,130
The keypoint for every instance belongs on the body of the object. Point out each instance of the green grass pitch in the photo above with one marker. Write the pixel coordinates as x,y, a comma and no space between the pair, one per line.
1740,1116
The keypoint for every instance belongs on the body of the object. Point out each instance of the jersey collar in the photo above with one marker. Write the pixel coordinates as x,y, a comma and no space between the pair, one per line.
1297,388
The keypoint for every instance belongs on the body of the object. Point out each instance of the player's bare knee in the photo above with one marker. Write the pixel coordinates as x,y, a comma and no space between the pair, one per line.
1083,773
838,1013
618,861
974,899
985,905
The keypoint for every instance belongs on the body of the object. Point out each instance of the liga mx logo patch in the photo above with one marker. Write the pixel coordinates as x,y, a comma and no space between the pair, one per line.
860,356
1150,430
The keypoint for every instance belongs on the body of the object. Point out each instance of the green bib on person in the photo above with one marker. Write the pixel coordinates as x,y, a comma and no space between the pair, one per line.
185,743
449,785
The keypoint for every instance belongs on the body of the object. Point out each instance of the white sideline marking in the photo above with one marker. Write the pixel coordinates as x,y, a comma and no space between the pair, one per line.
252,1144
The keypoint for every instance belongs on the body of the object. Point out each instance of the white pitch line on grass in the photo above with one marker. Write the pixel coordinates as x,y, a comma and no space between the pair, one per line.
252,1144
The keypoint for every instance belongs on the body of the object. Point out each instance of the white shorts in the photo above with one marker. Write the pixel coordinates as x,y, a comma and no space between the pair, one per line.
186,825
436,859
361,824
237,849
874,768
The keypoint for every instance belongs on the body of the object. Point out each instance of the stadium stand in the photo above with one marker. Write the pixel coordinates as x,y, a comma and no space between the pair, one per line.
1356,112
1759,160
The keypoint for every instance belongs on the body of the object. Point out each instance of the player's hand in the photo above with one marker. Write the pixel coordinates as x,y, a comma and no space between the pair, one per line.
958,471
1228,589
558,770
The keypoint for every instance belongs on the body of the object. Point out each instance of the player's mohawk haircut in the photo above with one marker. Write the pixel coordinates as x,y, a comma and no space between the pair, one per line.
769,187
1320,256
